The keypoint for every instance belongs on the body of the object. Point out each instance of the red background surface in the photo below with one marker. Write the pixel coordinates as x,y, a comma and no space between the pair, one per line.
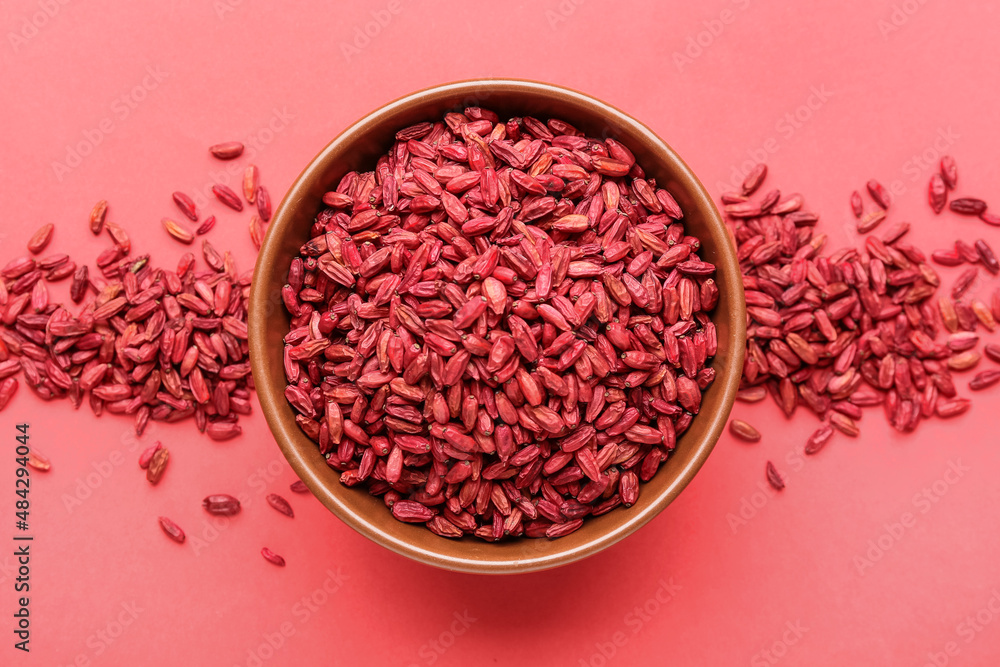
888,82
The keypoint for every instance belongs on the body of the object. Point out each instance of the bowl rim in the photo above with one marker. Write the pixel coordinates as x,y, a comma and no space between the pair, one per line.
270,399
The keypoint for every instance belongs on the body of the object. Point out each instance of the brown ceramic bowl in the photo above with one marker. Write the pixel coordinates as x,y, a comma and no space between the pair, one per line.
358,147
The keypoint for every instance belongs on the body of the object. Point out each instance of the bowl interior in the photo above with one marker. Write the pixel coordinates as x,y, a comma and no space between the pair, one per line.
358,148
